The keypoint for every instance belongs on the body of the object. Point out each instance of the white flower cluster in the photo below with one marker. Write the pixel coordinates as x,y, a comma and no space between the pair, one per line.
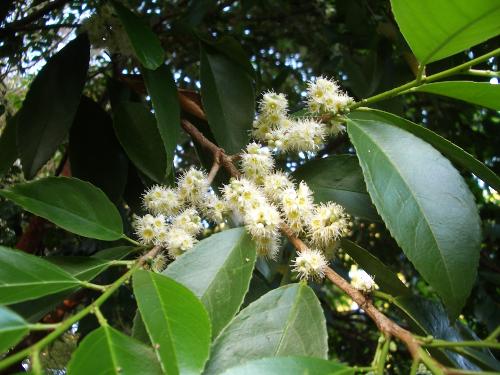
174,220
274,127
265,199
361,280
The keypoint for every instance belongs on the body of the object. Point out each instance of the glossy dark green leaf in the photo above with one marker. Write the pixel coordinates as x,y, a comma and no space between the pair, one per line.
94,152
176,321
223,265
146,45
452,151
163,91
139,331
12,329
284,322
291,366
428,318
24,277
386,279
138,134
228,99
230,47
108,351
8,145
339,179
51,104
72,204
425,204
435,29
118,252
480,93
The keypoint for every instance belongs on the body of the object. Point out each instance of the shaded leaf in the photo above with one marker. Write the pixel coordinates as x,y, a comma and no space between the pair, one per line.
480,93
8,142
108,351
339,179
138,134
72,204
286,321
228,99
51,104
180,331
146,45
163,91
94,152
223,265
12,329
425,204
24,277
435,29
291,366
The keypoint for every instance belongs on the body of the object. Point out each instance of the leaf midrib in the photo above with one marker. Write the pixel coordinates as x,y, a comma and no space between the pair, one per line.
456,33
288,321
450,281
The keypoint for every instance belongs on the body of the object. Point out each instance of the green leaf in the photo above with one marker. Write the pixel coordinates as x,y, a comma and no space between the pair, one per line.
146,45
436,29
291,366
72,204
12,329
228,99
137,132
94,152
8,142
51,104
176,321
425,204
386,279
118,252
452,151
139,329
339,178
230,47
223,265
163,92
480,93
108,351
24,277
284,322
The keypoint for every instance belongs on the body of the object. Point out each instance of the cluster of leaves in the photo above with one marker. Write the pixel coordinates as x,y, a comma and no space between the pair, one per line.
190,317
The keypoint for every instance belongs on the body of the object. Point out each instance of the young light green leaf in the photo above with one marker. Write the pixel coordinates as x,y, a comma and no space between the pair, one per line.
94,152
51,104
176,321
436,29
284,322
291,366
416,190
8,144
72,204
228,98
163,92
12,329
452,151
339,178
24,277
138,134
108,351
386,279
223,265
480,93
146,45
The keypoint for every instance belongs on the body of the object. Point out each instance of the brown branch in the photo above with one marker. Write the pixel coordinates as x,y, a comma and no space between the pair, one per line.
215,168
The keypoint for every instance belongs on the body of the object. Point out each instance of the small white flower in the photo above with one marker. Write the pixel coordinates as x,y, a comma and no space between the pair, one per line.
145,229
325,96
328,223
193,185
263,221
178,241
213,208
310,264
361,280
256,162
297,206
273,104
161,200
302,135
268,247
189,221
275,184
242,195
